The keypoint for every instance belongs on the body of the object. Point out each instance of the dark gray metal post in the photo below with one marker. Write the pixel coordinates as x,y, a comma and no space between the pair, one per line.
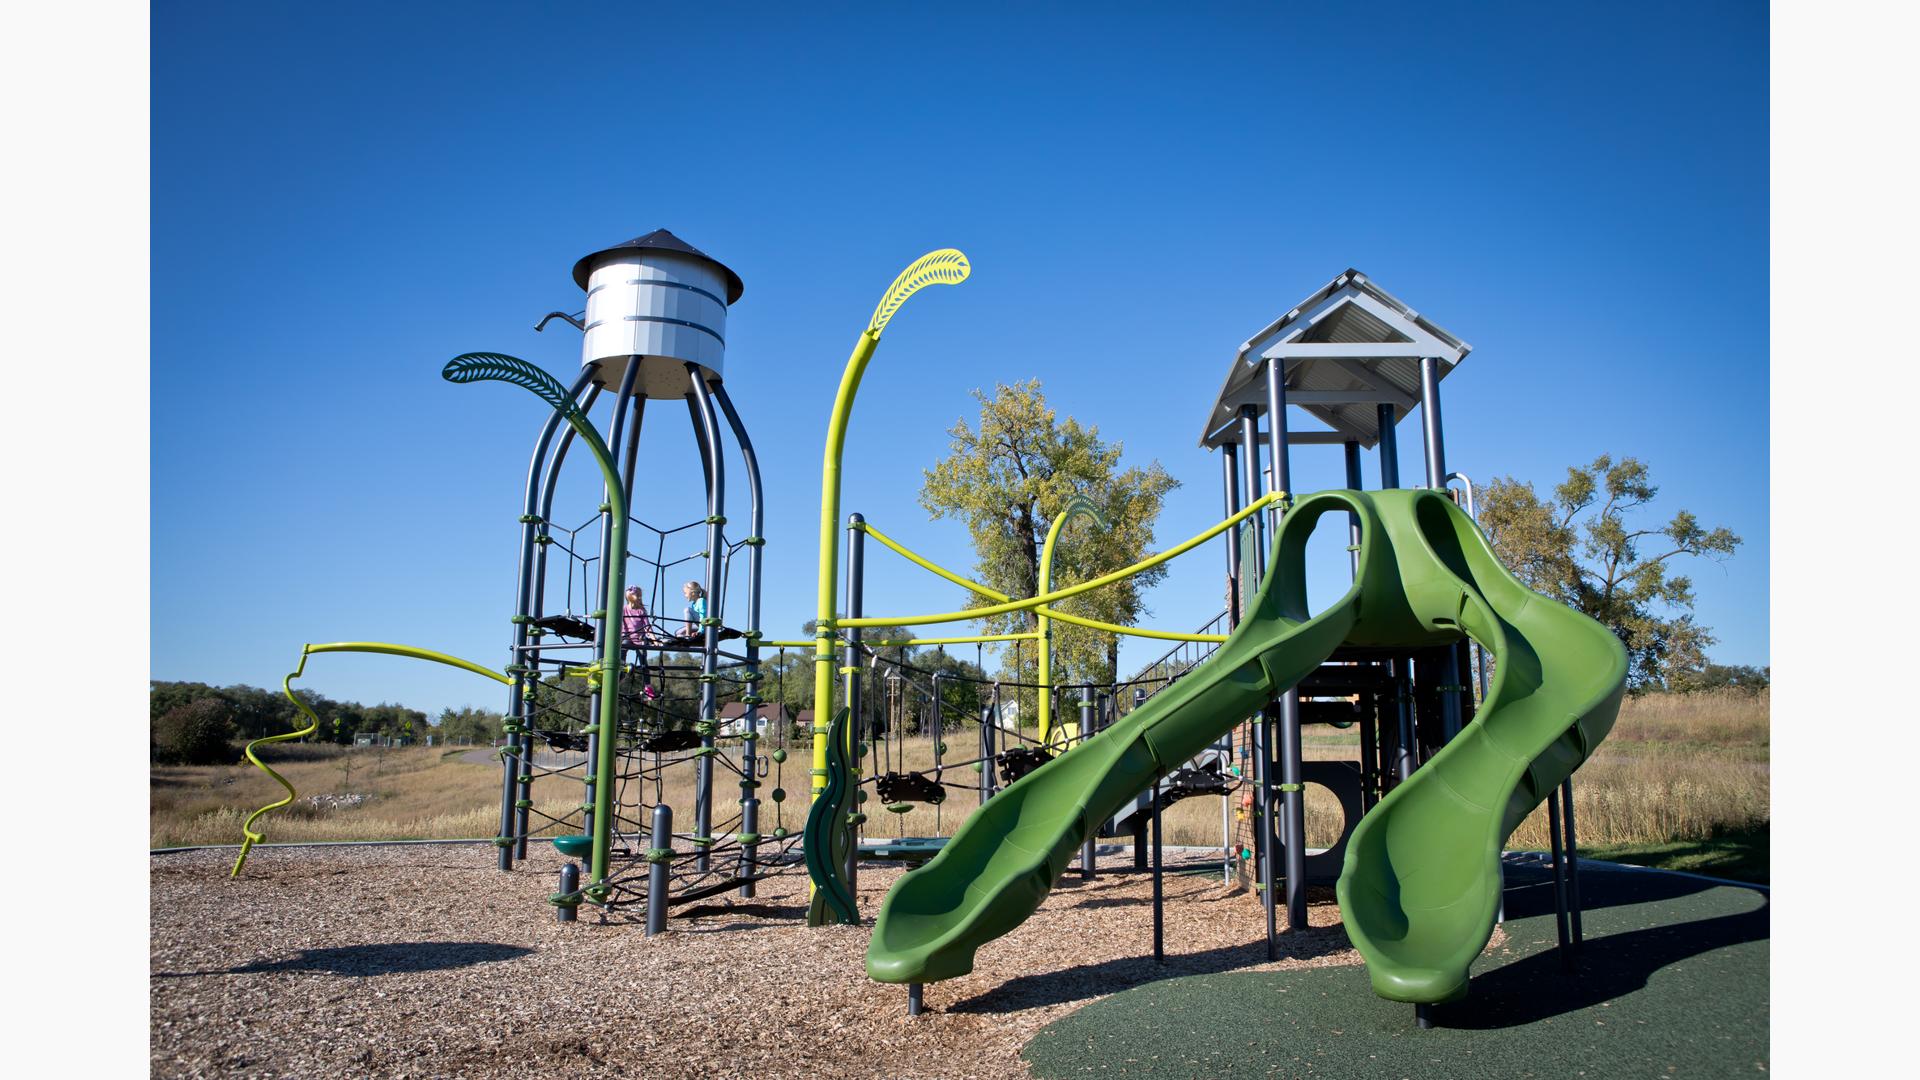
659,862
1159,892
1087,853
755,543
1230,486
856,719
1430,437
707,428
1266,851
989,719
1436,457
1452,677
523,616
1559,881
587,801
1293,823
567,909
915,1002
1250,481
1389,447
1405,755
1573,860
1354,483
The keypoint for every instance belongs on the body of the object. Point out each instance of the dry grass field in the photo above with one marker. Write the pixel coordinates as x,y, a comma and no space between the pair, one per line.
1676,767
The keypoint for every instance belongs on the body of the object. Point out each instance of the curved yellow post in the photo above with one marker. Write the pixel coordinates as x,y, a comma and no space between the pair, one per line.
947,266
248,836
1077,505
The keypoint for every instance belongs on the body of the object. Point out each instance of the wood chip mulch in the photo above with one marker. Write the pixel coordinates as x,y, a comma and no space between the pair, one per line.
429,962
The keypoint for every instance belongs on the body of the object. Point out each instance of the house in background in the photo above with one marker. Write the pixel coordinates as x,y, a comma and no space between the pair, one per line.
769,721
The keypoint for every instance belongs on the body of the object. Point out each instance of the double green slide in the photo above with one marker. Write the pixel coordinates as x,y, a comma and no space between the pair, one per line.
1421,883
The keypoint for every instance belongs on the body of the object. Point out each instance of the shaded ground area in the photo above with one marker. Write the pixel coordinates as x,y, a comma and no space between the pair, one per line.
1672,981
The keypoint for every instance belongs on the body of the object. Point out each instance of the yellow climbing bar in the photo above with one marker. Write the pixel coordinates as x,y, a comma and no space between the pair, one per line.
995,594
1048,598
248,836
967,639
408,651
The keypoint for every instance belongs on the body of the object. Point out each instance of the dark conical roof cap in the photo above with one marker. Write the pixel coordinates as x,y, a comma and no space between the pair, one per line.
659,240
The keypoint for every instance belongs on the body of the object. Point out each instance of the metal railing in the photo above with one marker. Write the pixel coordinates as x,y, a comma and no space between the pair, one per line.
1170,665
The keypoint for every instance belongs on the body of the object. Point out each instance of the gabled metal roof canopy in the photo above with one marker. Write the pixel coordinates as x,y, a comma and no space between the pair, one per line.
1345,350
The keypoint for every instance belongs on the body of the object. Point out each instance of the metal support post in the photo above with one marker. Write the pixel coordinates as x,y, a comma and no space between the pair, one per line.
1159,894
750,746
512,826
1250,481
1573,860
1431,440
1559,881
567,909
659,862
586,802
1264,841
707,428
1293,821
1230,481
989,720
856,718
1087,853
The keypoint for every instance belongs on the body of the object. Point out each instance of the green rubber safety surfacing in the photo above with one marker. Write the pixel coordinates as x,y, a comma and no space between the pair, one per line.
1672,981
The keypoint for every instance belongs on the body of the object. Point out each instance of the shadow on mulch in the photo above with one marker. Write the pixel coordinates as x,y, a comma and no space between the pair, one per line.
391,959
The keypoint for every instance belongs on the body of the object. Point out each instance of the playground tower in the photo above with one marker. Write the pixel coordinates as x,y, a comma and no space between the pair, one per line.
653,329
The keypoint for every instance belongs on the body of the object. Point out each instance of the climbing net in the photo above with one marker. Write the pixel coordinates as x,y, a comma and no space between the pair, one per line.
673,746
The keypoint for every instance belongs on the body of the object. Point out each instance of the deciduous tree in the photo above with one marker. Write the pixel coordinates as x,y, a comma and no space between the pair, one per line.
1006,477
1583,548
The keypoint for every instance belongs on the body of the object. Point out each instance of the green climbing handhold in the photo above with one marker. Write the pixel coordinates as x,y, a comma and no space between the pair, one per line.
899,808
861,797
779,756
780,833
779,795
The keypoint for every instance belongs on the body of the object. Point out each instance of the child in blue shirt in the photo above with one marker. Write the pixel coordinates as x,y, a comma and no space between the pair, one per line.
696,605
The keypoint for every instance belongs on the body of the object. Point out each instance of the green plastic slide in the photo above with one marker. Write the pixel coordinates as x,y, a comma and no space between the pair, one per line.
1422,877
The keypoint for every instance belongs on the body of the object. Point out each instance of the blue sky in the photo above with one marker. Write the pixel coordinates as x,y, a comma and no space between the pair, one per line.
345,197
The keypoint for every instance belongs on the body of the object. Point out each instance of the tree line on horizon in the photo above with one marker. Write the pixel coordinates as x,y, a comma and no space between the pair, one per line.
193,723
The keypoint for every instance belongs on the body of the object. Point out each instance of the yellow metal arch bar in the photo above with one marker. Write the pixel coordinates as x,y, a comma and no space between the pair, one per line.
965,640
408,651
1078,505
1073,590
248,837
